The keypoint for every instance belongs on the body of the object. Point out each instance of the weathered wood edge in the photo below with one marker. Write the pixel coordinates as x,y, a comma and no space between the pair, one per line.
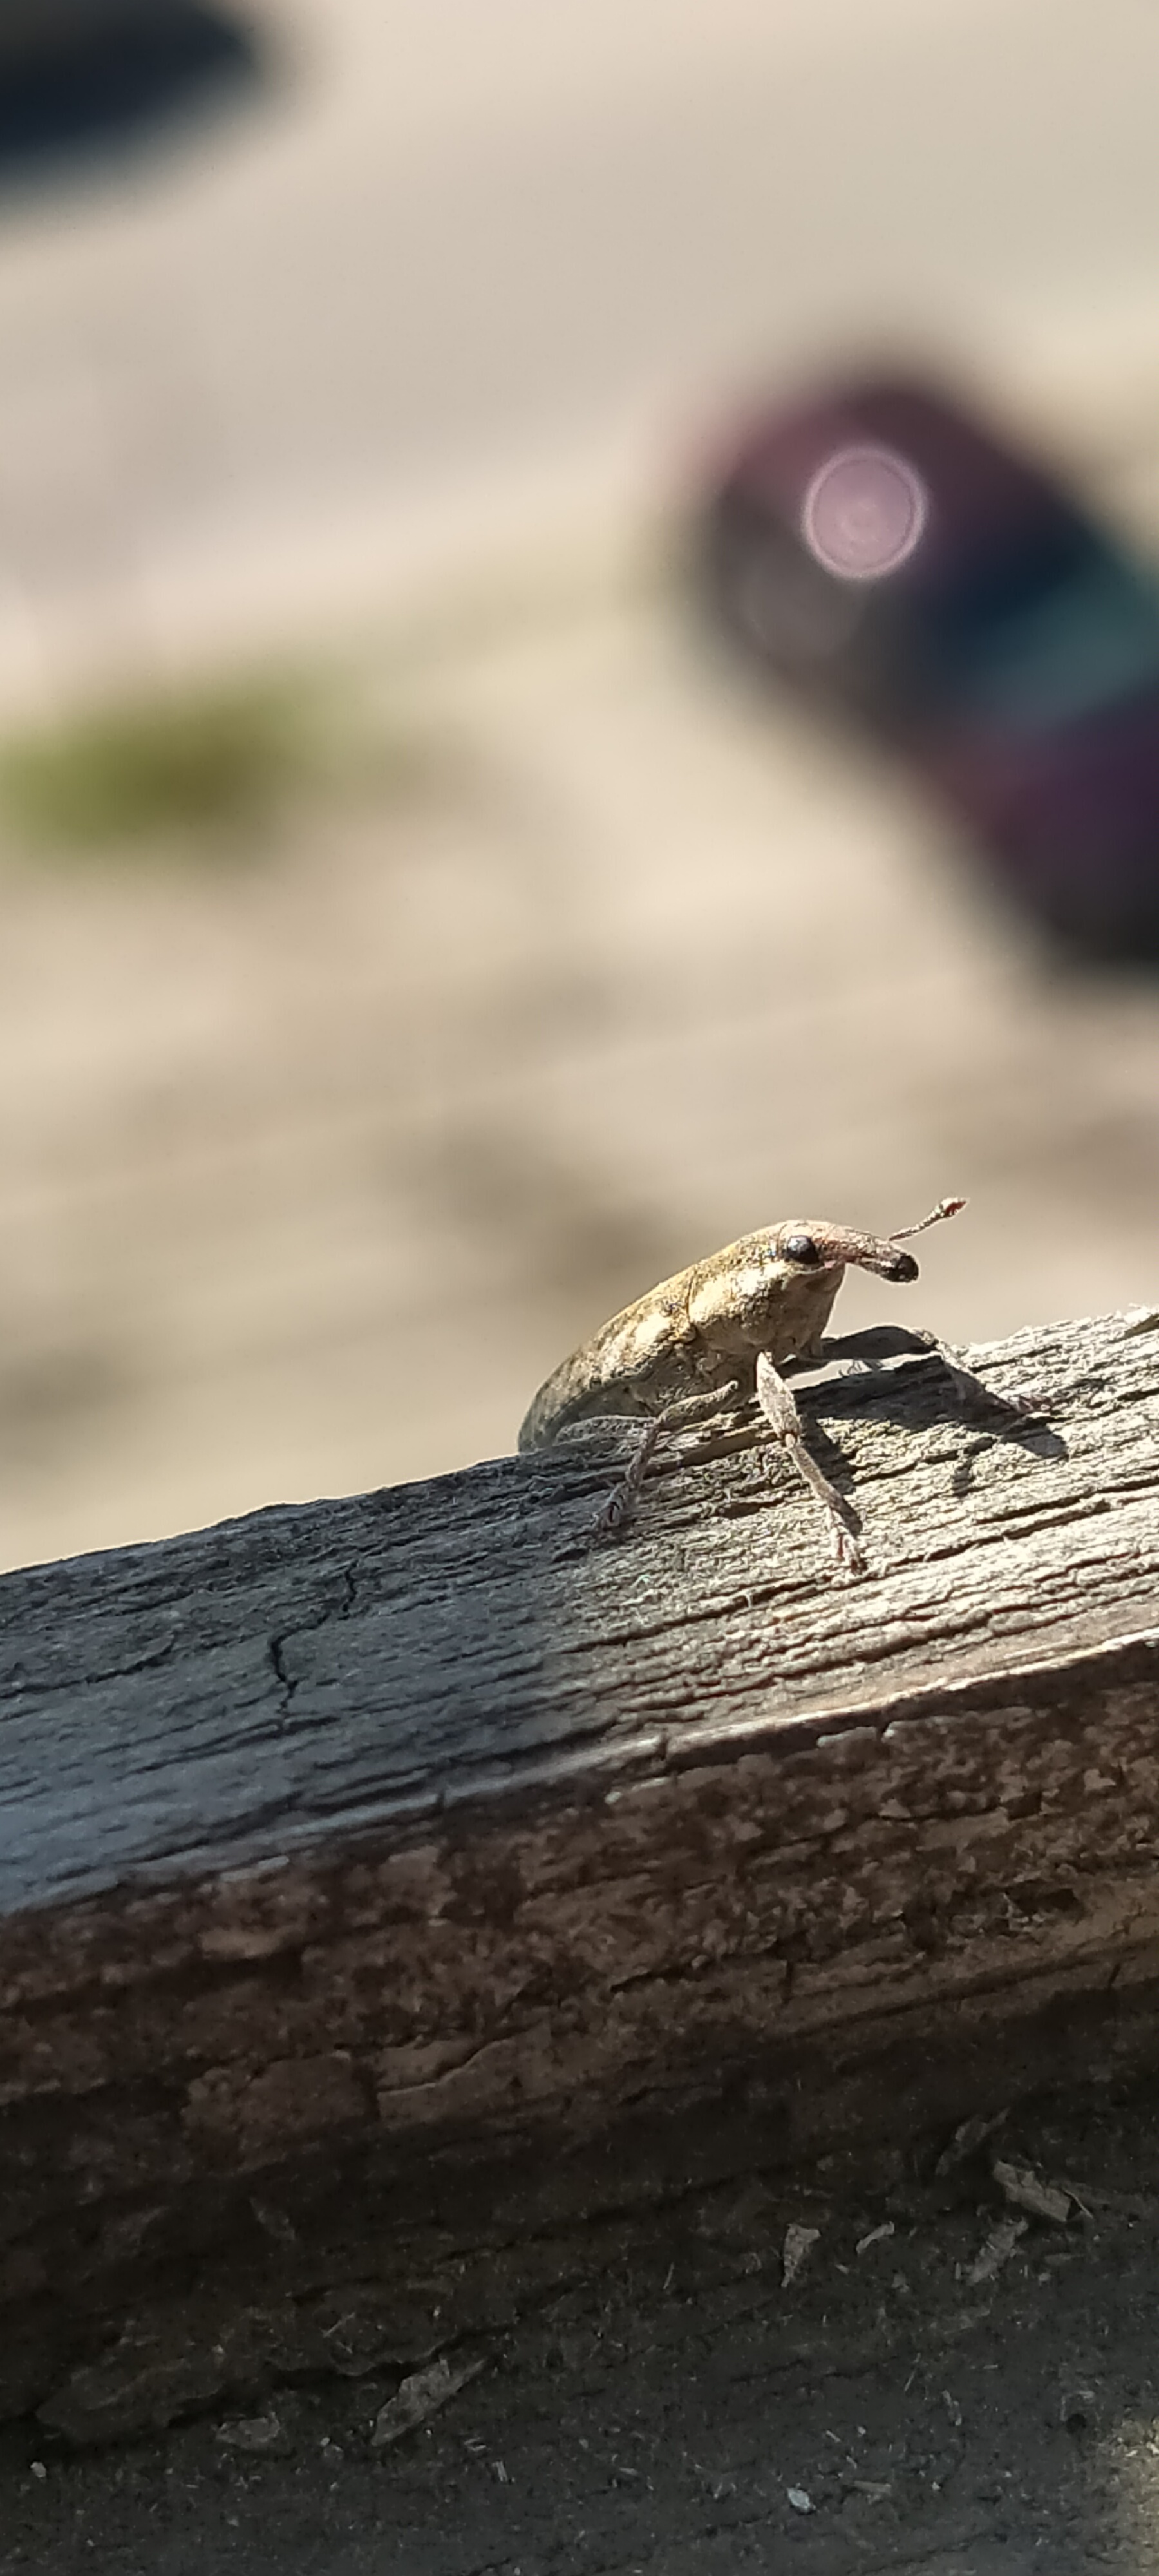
478,2006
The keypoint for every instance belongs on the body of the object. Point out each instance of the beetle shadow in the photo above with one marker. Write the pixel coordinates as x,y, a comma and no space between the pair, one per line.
77,103
904,1380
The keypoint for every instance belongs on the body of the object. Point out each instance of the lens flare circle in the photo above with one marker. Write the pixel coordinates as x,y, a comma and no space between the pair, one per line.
864,512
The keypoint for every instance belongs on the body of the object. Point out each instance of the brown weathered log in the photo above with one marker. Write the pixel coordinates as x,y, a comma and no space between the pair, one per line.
383,1878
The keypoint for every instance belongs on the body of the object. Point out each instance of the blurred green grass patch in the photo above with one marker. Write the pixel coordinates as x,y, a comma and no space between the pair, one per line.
213,763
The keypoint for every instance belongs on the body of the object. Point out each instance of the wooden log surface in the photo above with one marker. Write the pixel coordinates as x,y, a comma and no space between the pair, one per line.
388,1878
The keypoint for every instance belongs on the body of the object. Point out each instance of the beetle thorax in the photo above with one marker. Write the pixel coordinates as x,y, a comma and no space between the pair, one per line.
755,1302
799,1312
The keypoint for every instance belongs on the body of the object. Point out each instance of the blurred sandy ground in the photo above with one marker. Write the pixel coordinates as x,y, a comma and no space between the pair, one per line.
311,1167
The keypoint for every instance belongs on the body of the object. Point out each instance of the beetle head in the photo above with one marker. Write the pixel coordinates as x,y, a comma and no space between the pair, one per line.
811,1244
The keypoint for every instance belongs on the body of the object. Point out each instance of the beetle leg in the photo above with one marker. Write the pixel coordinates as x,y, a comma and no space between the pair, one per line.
614,1514
617,1511
971,1389
784,1421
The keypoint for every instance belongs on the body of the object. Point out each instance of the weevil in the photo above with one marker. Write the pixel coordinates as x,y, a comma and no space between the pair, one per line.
723,1331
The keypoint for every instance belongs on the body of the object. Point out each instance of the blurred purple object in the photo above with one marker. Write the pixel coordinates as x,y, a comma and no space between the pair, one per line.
899,564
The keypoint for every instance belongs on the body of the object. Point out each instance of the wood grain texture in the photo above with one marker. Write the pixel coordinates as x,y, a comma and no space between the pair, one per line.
406,1862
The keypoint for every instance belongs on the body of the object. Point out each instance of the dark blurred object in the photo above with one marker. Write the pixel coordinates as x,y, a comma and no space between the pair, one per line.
85,77
897,563
30,29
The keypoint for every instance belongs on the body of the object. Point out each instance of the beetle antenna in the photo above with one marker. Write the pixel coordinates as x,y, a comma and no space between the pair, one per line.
945,1207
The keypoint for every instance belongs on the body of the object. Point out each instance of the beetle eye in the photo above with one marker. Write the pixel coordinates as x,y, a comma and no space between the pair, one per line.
800,1247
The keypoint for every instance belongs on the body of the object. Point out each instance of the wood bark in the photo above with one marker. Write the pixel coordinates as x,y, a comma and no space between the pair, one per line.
387,1879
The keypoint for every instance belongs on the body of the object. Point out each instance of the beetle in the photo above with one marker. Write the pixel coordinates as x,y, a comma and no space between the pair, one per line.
722,1331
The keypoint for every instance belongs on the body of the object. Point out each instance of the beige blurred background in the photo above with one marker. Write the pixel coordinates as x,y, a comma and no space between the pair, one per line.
323,1138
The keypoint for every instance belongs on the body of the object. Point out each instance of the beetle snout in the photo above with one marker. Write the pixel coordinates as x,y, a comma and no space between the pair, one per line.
888,1259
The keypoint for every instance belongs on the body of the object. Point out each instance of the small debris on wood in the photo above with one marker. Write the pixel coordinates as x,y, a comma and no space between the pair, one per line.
419,2396
1140,1319
800,2499
1077,2410
967,2138
997,2250
798,2245
1020,2185
275,2222
875,2236
254,2433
